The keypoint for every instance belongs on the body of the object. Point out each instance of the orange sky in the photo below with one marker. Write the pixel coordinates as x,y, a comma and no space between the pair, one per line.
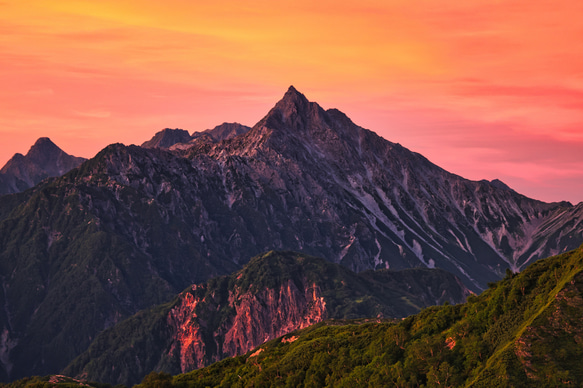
485,89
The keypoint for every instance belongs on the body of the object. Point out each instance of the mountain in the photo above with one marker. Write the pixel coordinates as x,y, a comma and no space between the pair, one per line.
524,331
179,138
43,160
273,294
133,226
167,137
381,204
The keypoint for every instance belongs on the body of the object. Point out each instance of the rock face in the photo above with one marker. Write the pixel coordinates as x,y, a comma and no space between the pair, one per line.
273,295
257,318
134,226
524,331
43,160
320,183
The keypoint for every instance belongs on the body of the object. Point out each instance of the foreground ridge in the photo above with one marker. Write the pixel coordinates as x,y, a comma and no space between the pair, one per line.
275,293
525,330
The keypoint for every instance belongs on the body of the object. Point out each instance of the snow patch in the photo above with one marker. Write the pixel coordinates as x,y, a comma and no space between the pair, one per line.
344,250
458,240
418,250
377,259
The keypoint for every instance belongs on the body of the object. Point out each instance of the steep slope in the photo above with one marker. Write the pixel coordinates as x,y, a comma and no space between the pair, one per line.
85,245
381,204
132,227
272,295
43,160
525,331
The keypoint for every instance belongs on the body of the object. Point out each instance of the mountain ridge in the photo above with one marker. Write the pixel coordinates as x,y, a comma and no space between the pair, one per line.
133,226
307,122
273,294
525,330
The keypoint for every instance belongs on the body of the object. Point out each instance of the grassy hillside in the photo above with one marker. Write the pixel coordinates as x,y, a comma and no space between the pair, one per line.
525,330
273,294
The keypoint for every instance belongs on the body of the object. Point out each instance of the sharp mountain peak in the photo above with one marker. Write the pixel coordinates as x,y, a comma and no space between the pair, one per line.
43,141
292,112
44,148
293,95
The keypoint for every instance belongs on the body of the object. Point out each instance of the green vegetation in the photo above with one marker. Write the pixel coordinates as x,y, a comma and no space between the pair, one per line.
65,277
53,382
148,340
524,331
81,253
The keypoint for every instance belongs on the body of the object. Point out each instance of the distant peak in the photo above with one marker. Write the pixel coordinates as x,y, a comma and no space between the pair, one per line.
43,141
224,131
43,145
174,130
293,94
293,102
167,138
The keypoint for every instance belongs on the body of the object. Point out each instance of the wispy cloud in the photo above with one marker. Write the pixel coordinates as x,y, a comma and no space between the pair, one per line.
94,114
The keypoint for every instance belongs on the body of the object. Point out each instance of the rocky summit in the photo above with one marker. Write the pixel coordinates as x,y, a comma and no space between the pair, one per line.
342,192
134,226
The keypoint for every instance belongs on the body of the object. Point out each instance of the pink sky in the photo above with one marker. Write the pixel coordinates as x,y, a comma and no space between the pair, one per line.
485,89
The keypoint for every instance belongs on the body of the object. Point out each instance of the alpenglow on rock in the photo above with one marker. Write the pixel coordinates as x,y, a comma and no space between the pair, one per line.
274,294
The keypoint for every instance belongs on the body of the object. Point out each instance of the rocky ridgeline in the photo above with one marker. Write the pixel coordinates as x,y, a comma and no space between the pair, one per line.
273,295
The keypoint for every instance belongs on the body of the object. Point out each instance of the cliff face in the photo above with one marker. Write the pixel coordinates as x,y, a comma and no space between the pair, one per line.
524,331
274,294
189,347
256,318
